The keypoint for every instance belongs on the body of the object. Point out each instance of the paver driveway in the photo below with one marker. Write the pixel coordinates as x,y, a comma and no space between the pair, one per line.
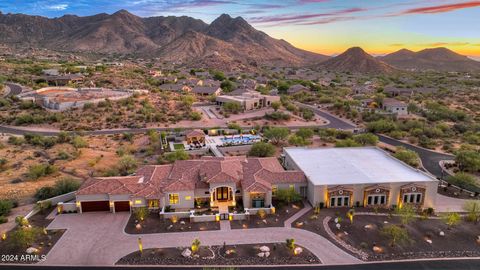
99,239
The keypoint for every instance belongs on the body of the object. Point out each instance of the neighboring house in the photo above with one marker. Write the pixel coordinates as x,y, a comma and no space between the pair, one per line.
60,80
395,106
203,74
297,88
175,87
248,100
207,90
181,184
51,72
361,176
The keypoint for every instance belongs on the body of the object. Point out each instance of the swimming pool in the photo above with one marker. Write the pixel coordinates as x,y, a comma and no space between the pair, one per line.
240,139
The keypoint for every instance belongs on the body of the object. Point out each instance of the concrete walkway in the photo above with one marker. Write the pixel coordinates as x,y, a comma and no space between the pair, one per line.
15,212
449,204
290,220
99,239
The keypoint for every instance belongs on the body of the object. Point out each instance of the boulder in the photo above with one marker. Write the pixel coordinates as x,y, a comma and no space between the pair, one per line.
264,249
187,253
377,249
138,226
338,226
32,250
298,250
267,254
336,220
261,254
182,222
441,233
429,241
264,221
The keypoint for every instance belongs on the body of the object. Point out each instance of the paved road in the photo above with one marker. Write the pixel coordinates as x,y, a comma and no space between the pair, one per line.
99,239
430,159
335,122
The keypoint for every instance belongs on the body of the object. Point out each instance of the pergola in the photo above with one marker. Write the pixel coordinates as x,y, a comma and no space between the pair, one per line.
195,136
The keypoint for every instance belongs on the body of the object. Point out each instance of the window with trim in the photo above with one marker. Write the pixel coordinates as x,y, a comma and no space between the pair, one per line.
292,187
173,198
412,198
274,190
153,204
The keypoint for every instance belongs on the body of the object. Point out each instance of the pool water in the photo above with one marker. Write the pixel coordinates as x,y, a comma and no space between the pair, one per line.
245,139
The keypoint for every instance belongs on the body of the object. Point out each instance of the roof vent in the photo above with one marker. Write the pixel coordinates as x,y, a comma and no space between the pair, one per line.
140,181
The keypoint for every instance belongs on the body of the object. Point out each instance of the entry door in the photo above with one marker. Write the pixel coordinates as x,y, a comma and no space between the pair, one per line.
222,193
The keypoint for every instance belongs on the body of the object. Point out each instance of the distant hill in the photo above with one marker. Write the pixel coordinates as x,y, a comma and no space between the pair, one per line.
226,41
440,59
356,60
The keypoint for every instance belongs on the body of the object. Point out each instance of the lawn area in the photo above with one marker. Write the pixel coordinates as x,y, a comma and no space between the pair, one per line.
178,146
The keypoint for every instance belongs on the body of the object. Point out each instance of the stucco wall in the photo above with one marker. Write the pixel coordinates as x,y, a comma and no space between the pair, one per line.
183,202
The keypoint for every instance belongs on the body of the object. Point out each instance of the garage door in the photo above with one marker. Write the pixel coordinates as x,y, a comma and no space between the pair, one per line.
122,206
95,206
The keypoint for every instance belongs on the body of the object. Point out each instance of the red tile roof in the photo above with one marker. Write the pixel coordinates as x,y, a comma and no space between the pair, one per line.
252,174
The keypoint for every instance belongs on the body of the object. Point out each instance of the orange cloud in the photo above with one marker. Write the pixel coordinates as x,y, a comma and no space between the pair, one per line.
442,8
397,45
438,44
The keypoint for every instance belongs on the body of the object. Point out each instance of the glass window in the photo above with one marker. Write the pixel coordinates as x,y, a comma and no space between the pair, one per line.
382,199
173,198
153,203
188,198
369,201
419,198
274,190
332,201
345,201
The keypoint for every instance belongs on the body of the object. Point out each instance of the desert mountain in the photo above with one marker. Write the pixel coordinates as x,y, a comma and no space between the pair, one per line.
441,59
185,39
356,60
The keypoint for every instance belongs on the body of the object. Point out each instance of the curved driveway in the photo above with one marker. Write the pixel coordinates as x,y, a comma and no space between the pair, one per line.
99,239
430,159
15,89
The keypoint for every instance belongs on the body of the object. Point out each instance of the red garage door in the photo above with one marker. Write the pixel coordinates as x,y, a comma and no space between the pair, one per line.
95,206
122,206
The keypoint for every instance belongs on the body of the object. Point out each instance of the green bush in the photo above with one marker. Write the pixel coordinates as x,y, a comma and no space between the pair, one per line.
288,195
3,219
37,171
408,156
464,180
262,149
177,155
60,187
5,207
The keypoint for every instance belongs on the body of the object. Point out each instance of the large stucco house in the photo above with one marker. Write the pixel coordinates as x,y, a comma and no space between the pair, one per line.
332,177
361,176
181,184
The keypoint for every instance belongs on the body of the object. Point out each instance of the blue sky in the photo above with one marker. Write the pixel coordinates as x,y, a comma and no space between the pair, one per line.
325,26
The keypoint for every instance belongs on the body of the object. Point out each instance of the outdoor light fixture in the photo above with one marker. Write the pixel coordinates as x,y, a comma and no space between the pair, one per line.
140,244
272,209
111,204
217,217
4,236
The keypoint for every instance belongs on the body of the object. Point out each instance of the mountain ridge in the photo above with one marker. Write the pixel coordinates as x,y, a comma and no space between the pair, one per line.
122,32
439,59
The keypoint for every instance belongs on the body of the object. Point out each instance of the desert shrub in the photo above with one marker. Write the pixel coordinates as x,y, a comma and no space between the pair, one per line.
451,219
468,160
195,116
5,207
262,149
3,219
277,116
408,156
140,213
381,126
37,171
396,234
347,143
79,142
60,187
473,210
276,134
24,237
463,180
177,155
366,139
288,195
127,165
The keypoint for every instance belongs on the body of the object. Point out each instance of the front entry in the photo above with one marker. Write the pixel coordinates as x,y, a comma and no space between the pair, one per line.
223,193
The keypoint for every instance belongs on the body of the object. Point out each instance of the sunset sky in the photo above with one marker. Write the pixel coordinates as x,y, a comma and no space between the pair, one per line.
324,26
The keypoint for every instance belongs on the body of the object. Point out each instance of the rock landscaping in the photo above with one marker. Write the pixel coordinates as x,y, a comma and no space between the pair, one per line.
29,242
251,254
154,224
368,239
282,213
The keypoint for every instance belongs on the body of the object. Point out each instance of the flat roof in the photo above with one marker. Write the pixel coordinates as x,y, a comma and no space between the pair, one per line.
353,165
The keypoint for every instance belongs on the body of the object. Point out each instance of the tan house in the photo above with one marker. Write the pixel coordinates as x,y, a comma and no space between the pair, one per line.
182,184
361,176
248,100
